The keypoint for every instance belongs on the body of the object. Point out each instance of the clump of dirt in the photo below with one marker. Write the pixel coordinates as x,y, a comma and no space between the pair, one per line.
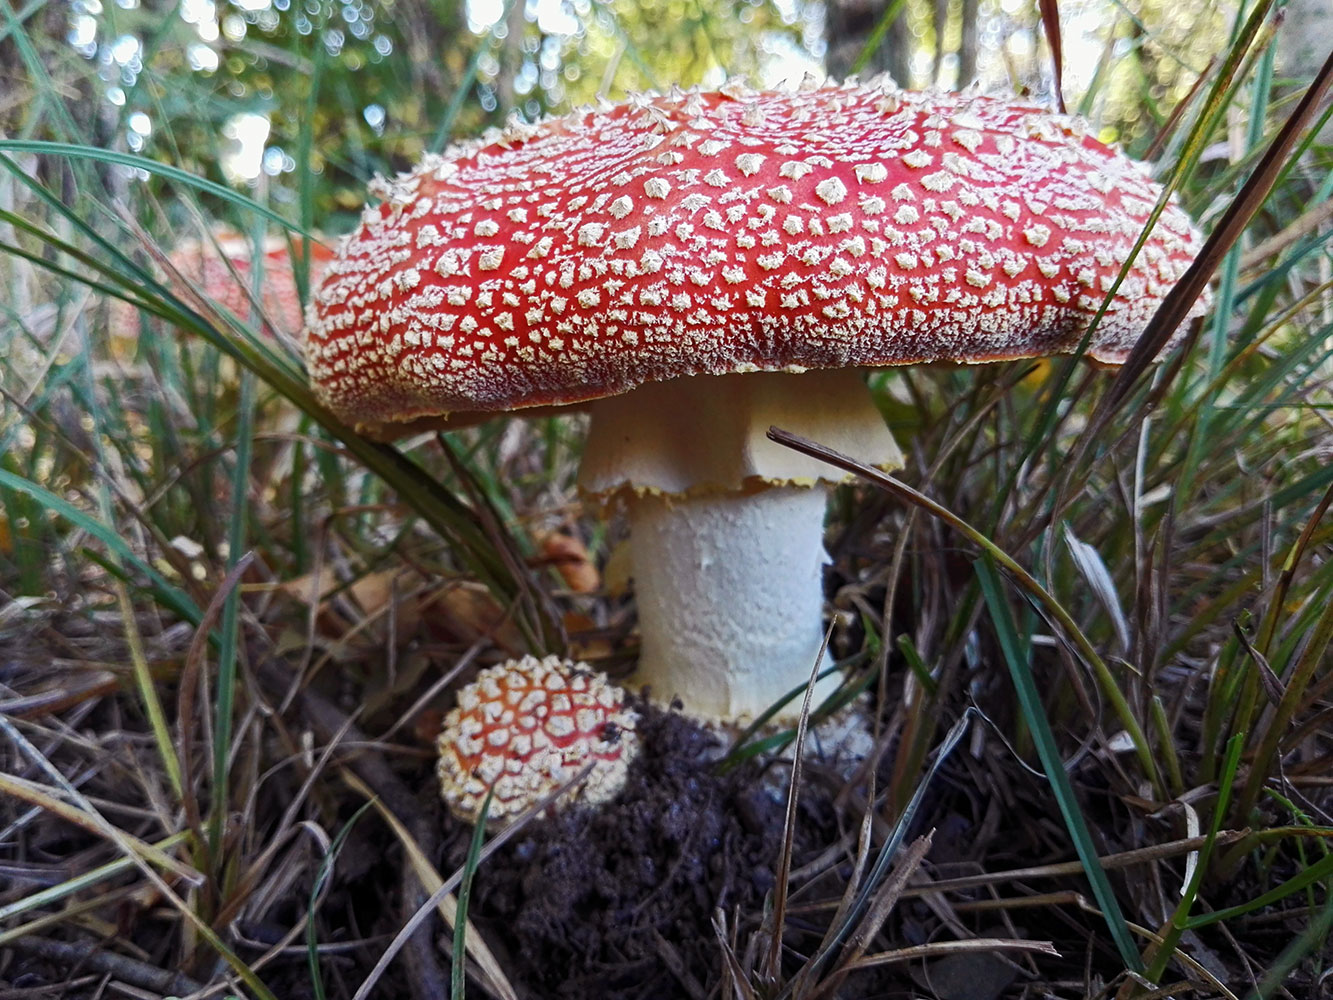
585,903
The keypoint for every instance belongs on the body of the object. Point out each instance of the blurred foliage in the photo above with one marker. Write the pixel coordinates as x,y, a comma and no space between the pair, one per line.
232,90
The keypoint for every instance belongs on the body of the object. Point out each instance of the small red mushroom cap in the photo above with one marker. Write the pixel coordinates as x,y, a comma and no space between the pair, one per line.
710,233
527,727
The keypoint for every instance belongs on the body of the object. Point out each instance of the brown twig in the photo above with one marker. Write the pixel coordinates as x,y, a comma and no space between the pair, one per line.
94,956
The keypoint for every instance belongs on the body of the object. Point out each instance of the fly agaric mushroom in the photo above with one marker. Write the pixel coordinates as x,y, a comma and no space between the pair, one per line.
675,260
527,727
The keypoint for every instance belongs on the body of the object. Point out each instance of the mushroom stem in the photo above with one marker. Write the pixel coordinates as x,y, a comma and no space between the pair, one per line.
730,596
727,527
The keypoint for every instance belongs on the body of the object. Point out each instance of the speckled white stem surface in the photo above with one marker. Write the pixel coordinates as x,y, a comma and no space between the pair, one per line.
730,596
727,527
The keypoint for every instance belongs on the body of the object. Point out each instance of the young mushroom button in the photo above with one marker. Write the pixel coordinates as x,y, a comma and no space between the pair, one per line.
678,262
526,728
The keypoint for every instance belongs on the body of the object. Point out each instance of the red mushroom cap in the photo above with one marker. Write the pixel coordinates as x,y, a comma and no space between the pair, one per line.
529,726
723,232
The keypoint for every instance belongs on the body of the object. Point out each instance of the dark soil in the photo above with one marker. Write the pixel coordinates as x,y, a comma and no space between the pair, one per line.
584,905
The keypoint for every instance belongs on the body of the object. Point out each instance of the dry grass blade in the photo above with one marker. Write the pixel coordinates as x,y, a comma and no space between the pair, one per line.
1274,728
1301,227
888,895
732,969
1306,943
446,886
253,876
1042,597
1065,869
154,429
885,899
1178,302
71,912
57,699
188,687
800,982
1268,679
671,956
852,916
542,623
772,968
1169,127
128,844
493,975
55,893
143,680
939,949
1299,549
1092,567
89,955
142,854
1197,969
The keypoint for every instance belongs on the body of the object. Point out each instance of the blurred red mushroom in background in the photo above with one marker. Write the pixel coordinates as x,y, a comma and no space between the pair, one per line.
220,270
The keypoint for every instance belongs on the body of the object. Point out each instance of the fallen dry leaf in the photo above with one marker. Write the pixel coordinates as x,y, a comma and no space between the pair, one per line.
467,611
570,558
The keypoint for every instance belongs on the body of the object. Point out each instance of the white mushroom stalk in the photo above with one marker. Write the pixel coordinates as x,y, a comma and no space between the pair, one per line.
727,528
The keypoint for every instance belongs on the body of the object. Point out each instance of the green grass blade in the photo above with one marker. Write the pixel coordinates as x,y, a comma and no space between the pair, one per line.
445,513
1174,308
1042,598
1306,943
322,876
1228,277
1318,871
75,151
464,88
1165,949
79,883
16,18
1025,685
887,16
1296,683
746,746
884,861
1171,313
458,966
225,698
48,91
164,593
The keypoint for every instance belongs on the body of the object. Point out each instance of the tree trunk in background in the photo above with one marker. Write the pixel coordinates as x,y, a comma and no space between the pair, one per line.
849,25
941,26
1305,38
511,57
967,52
430,29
